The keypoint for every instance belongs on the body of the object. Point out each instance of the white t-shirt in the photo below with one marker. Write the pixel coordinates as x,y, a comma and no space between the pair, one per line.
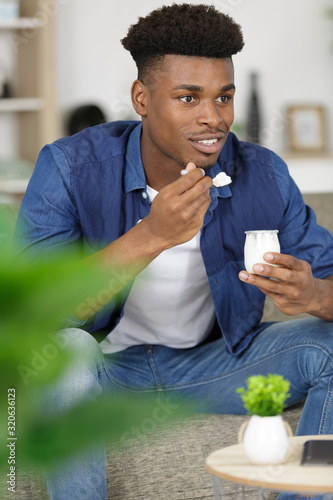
170,302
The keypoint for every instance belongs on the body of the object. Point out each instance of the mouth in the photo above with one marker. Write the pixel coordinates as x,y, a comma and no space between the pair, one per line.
209,144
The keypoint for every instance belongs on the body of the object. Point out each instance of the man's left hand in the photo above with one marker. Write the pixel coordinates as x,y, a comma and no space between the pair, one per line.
293,287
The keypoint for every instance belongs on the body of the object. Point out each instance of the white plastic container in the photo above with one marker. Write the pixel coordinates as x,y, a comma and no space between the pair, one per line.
265,439
257,243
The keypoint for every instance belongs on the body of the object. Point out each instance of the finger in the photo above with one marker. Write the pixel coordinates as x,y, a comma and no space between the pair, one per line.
198,193
191,203
283,260
282,294
258,281
273,289
199,203
187,204
281,274
196,213
186,184
190,166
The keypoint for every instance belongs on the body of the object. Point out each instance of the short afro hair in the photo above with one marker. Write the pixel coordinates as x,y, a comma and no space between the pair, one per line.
182,29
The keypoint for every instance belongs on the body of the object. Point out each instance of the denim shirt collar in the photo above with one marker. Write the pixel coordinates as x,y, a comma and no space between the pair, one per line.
135,177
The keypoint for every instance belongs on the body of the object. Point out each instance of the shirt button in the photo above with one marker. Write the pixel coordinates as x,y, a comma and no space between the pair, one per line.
144,195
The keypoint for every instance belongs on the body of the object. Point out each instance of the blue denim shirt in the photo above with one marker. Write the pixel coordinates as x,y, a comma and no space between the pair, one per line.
90,188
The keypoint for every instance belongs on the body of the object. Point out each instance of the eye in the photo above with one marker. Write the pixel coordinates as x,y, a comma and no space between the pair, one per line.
187,98
224,99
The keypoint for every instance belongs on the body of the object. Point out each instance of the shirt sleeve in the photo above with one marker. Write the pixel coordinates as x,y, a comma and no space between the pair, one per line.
48,221
299,234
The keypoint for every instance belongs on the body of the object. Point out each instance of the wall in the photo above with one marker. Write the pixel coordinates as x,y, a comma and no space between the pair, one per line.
290,44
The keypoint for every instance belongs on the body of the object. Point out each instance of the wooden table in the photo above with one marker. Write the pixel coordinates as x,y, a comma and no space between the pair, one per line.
232,465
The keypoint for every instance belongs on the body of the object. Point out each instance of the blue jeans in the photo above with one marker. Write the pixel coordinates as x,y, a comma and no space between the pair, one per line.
300,350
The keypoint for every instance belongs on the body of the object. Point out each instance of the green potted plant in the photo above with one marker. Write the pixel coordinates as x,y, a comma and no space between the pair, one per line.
265,434
34,297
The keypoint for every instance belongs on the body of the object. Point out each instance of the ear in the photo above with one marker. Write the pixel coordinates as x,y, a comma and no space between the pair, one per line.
139,94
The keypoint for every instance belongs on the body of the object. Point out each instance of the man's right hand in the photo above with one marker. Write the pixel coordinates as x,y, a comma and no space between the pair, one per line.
178,210
176,216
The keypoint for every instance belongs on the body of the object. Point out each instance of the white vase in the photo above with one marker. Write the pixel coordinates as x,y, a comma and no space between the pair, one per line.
265,439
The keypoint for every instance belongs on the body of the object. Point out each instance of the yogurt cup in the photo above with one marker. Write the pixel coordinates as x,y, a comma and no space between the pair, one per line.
257,243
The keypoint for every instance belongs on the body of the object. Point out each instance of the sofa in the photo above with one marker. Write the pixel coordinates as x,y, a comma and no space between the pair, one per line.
168,463
165,463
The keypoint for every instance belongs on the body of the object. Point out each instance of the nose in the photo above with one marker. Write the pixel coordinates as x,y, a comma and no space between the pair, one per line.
209,114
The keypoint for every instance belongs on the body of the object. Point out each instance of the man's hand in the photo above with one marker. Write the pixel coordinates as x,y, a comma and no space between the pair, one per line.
175,217
293,288
178,210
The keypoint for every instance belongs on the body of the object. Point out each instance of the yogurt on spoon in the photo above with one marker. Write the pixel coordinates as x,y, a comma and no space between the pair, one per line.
220,180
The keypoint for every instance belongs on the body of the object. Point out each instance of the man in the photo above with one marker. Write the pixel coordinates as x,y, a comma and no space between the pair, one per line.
190,323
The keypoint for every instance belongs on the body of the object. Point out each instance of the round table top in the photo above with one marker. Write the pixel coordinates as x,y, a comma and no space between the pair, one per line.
232,464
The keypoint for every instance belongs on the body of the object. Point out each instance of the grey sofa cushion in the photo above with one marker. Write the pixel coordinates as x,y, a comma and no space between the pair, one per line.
167,464
171,466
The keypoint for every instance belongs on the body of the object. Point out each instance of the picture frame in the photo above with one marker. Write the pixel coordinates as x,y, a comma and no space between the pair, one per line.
306,128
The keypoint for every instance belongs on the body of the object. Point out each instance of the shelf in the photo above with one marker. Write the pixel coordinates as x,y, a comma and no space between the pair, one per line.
30,50
306,155
21,23
14,176
13,104
14,186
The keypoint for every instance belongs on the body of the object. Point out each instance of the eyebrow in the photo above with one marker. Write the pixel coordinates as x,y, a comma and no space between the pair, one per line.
197,88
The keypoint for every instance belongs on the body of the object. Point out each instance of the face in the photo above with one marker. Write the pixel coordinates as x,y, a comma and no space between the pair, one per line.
186,113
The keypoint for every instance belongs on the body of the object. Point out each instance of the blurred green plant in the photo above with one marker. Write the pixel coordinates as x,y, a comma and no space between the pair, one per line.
238,128
34,298
265,395
329,14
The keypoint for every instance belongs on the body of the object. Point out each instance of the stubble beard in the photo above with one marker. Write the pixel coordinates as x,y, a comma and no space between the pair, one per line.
206,165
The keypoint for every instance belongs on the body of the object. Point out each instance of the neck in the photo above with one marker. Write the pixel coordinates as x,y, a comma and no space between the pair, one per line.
159,171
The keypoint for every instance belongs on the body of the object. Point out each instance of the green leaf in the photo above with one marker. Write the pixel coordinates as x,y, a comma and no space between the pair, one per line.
265,395
35,297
